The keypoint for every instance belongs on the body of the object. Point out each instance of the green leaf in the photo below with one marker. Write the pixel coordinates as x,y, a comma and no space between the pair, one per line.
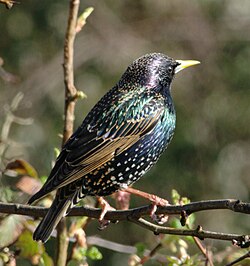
28,247
86,13
4,258
79,253
175,222
81,21
190,221
94,254
43,178
6,194
185,200
10,228
46,260
190,239
173,261
140,249
175,196
57,152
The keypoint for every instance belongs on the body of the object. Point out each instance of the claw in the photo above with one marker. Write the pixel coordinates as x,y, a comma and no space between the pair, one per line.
156,201
105,208
103,224
158,218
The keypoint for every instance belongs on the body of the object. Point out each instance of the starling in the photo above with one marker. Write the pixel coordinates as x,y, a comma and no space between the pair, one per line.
120,139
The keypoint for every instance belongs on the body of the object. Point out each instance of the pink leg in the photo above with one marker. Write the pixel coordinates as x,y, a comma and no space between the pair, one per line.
156,201
105,208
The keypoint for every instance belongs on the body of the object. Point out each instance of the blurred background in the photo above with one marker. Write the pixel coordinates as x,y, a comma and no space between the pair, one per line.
209,154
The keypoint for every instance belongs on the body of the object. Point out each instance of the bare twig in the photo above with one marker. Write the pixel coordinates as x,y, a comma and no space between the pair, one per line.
9,120
204,251
68,66
247,255
150,254
134,215
69,108
242,240
62,243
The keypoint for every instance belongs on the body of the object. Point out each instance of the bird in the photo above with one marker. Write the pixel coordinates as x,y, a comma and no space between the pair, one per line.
119,140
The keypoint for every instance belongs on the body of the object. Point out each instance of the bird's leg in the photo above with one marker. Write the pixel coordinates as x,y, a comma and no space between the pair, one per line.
122,199
156,201
105,208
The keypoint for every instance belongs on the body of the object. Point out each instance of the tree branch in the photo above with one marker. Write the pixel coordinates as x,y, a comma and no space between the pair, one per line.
242,240
193,207
68,66
69,109
247,255
204,250
134,215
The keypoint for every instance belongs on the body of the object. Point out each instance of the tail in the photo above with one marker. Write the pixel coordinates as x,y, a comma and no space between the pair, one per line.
57,210
40,194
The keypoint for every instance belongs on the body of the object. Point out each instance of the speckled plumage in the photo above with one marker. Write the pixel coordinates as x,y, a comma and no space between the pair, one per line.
120,139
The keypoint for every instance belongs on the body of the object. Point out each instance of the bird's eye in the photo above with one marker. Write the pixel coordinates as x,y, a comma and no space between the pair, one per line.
170,69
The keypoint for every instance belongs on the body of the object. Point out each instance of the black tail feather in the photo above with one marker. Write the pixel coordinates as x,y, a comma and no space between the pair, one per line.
40,194
57,210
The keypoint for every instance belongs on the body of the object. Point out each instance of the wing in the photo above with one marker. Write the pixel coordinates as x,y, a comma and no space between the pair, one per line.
107,131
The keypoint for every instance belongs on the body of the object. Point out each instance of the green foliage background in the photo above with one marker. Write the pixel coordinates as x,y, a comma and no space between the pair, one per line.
209,155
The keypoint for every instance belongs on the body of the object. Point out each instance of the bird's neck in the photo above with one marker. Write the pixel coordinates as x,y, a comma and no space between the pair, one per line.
164,92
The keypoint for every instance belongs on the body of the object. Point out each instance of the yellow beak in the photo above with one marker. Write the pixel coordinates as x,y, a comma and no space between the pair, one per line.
185,64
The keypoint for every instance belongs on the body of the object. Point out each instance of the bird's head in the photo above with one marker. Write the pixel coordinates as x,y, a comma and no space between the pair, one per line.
155,70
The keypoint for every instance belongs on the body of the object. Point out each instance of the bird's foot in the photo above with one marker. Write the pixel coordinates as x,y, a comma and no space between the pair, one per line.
156,201
105,208
158,218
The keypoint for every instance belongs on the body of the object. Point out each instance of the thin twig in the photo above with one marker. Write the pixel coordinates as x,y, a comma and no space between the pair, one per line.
147,257
69,108
242,240
9,120
68,66
247,255
203,250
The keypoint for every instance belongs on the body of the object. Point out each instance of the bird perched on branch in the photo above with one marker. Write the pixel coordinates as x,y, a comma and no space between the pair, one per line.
120,139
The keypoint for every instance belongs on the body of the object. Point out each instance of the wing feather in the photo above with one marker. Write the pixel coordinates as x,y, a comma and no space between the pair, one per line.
99,140
101,155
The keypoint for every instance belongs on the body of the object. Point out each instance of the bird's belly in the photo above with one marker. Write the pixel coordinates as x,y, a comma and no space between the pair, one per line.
129,166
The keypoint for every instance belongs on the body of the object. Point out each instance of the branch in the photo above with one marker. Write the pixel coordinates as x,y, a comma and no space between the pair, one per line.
204,251
68,66
247,255
8,122
134,215
199,232
69,109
